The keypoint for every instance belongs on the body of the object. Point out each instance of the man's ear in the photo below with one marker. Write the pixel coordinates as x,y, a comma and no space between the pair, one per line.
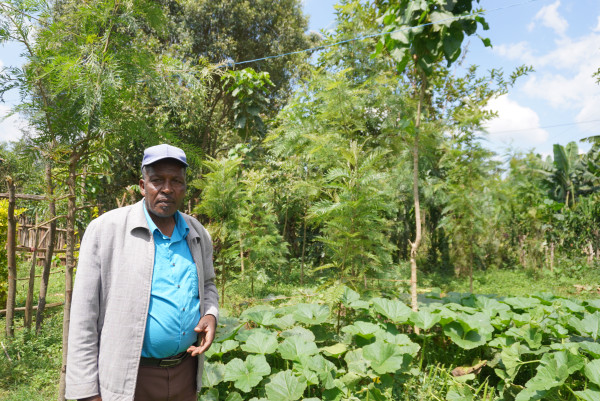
142,188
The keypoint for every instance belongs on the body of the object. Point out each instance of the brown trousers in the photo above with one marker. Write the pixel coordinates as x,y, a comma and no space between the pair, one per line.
168,384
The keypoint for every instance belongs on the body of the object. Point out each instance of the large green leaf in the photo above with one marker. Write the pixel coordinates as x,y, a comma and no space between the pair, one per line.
588,326
356,362
349,296
570,305
552,372
393,309
309,375
362,329
593,304
248,374
385,357
298,331
522,303
227,329
243,335
264,317
325,369
335,350
592,348
403,341
261,343
589,394
211,395
469,331
311,314
425,318
218,349
511,362
233,396
284,386
592,371
212,374
532,335
284,322
293,348
490,306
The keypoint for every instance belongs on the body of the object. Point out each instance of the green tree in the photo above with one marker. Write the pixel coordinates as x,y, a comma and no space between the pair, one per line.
562,172
424,46
248,88
354,213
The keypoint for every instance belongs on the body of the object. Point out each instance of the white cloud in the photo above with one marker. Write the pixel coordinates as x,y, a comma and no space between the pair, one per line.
589,116
516,51
10,128
563,77
549,17
573,85
573,54
597,28
515,123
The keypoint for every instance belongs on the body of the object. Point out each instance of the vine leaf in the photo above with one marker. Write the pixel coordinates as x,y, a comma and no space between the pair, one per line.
213,374
293,348
393,309
311,314
246,375
284,386
386,358
592,371
260,343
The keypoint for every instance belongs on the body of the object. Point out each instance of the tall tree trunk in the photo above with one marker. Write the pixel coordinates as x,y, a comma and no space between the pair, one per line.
303,251
29,301
241,255
223,279
12,259
414,246
70,263
471,266
39,317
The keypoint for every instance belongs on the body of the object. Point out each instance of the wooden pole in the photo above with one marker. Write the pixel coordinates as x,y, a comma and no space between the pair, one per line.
39,316
12,260
29,301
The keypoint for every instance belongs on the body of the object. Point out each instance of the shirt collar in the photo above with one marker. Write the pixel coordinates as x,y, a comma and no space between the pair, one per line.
180,231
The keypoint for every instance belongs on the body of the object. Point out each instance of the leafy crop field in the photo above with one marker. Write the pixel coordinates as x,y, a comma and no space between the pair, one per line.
540,347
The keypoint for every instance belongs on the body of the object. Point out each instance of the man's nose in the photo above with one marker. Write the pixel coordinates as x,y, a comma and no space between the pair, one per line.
167,187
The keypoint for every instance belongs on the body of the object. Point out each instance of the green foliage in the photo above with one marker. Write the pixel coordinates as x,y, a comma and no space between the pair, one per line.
3,250
243,226
249,90
529,347
408,40
34,363
353,213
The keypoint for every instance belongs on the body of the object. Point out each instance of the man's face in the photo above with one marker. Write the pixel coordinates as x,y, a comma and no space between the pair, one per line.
163,186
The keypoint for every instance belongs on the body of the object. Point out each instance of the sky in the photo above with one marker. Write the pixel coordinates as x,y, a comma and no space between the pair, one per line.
557,103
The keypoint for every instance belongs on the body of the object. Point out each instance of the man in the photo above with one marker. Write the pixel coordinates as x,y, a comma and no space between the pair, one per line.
145,306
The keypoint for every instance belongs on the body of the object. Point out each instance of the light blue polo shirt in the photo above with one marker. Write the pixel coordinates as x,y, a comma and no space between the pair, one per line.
174,308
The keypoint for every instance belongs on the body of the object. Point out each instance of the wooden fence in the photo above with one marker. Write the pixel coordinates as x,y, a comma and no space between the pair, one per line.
26,240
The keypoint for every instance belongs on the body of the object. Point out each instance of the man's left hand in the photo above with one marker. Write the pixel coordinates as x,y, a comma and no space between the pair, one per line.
206,329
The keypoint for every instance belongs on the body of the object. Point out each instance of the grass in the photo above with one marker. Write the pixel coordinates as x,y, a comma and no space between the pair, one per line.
30,364
563,281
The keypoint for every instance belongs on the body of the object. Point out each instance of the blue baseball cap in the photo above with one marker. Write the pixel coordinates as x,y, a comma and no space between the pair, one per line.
160,152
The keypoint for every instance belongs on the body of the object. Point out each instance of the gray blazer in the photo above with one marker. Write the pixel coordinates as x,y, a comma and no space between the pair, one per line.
111,297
